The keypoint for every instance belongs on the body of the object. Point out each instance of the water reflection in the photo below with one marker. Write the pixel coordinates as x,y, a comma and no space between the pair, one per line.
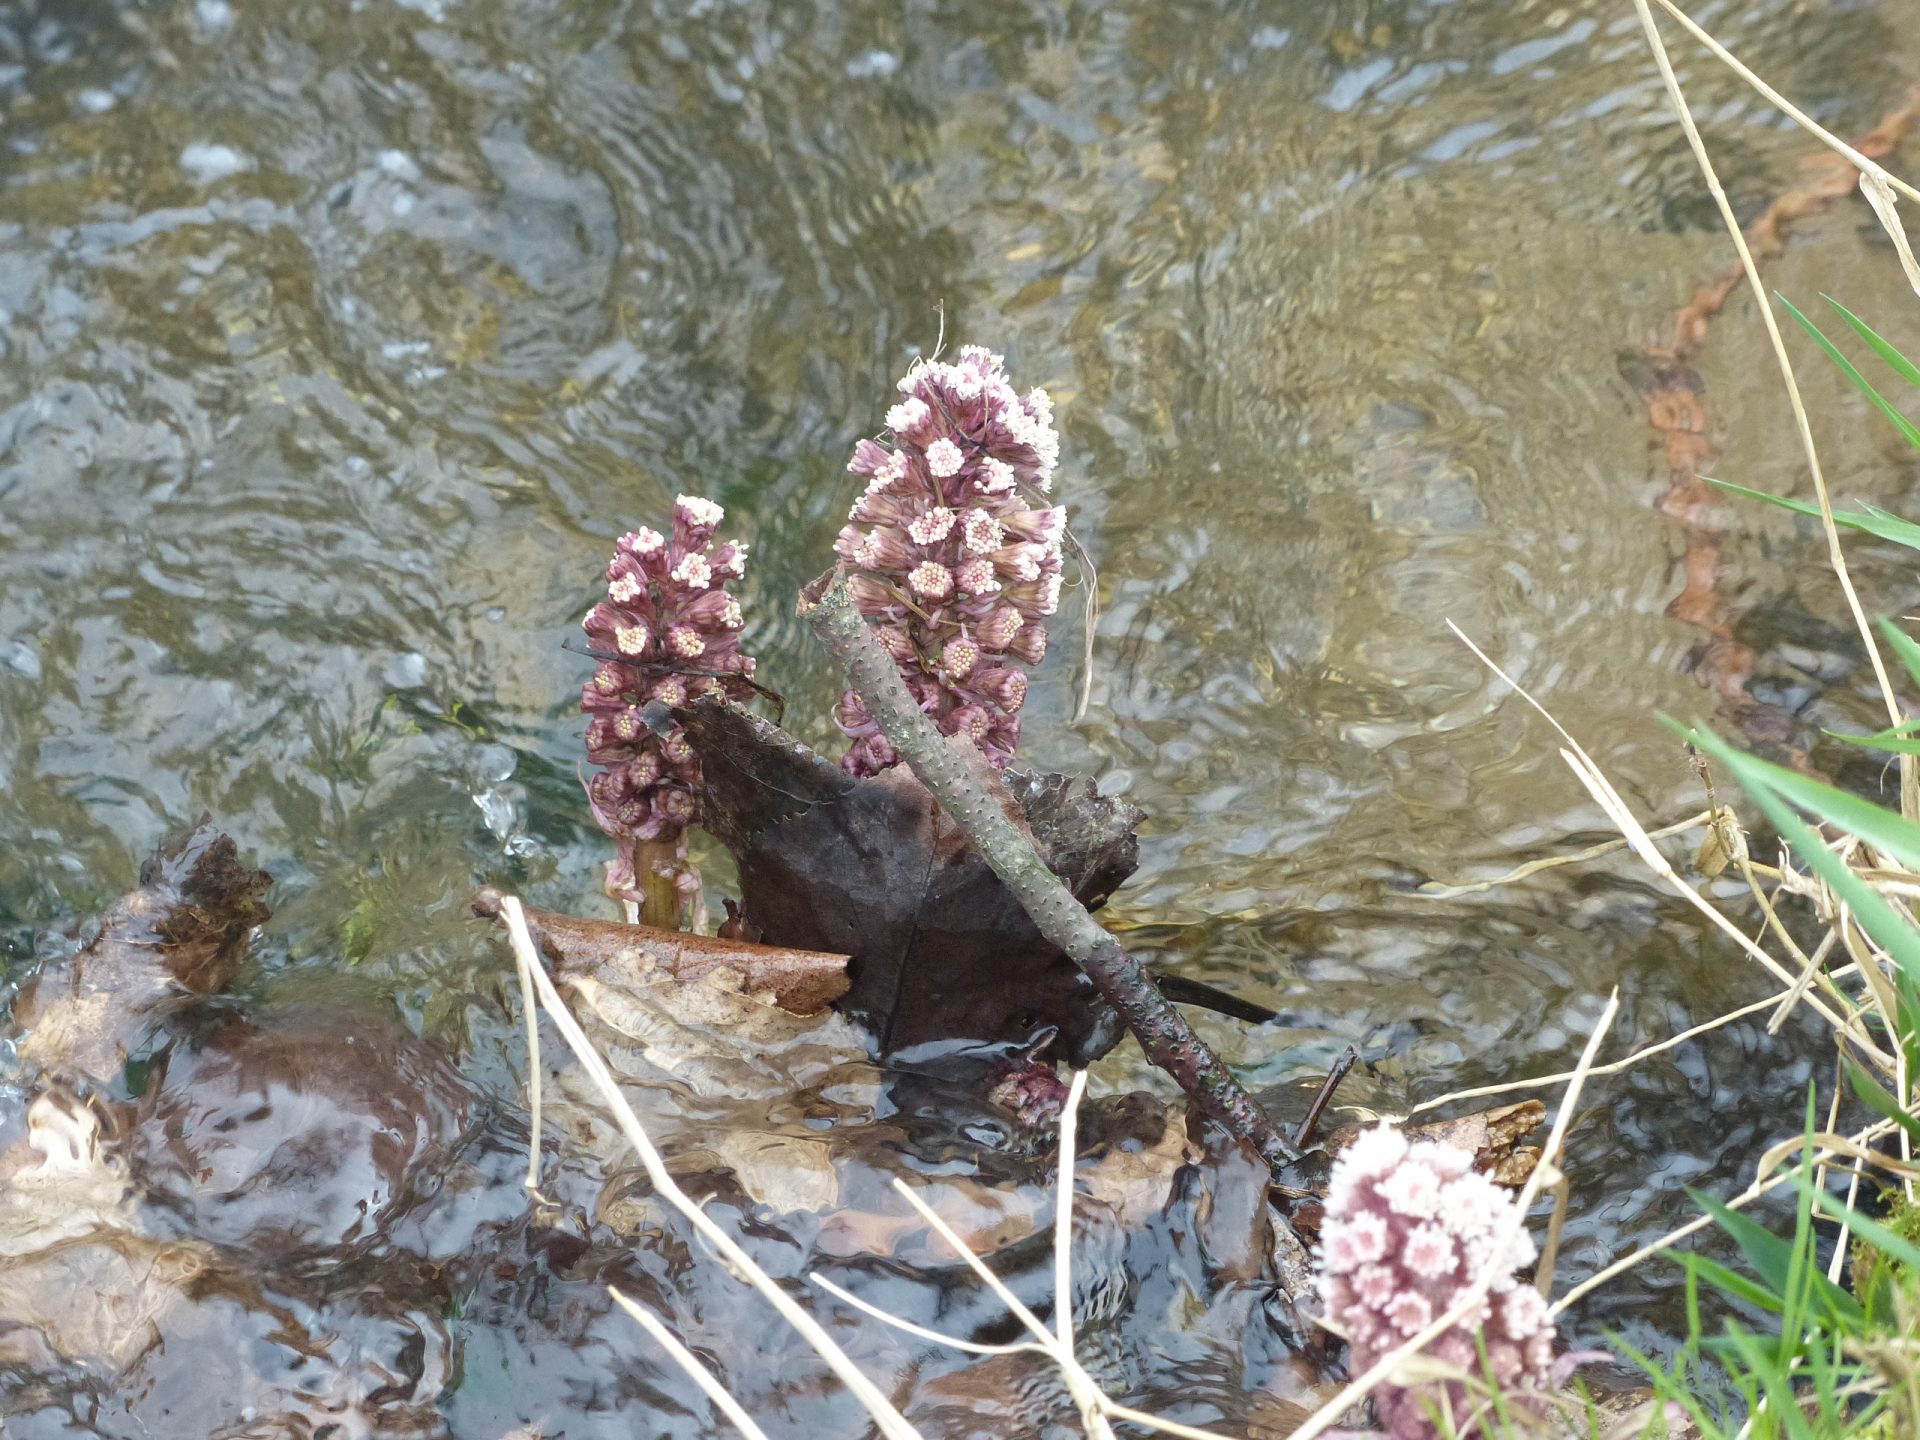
341,342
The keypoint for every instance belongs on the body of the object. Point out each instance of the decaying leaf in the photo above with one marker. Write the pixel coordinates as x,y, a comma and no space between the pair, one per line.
1493,1136
1725,845
941,949
801,982
184,931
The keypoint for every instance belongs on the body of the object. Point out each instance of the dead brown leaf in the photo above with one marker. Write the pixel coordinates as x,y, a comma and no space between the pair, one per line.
802,982
1493,1136
941,949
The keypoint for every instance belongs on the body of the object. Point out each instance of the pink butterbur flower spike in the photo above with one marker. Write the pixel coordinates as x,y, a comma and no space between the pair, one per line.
667,630
949,557
1410,1227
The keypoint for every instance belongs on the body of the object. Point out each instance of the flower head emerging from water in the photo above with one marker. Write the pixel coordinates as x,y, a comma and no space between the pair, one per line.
1409,1227
954,553
667,630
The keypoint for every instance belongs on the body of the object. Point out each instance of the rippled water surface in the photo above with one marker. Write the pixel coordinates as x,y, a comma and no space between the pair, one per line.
341,339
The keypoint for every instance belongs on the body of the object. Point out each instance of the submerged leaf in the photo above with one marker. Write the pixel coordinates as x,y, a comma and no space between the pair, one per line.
184,930
942,951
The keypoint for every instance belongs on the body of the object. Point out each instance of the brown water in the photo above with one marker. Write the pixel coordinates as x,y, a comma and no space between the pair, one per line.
341,340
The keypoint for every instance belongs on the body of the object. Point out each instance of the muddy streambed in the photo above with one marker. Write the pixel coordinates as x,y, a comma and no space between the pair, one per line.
341,341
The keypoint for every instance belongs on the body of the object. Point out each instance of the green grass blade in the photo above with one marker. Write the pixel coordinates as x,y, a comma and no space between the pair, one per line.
1732,1282
1880,826
1891,741
1902,366
1877,523
1881,1099
1872,1231
1770,1256
1880,920
1906,648
1860,382
1766,1367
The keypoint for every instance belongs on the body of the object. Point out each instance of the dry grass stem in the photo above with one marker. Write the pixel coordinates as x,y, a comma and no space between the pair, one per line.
1601,789
1329,1414
1793,996
1787,107
1090,620
1063,1216
1764,1183
1881,197
1436,891
891,1422
1096,1408
1612,1067
867,1307
689,1362
531,1009
1909,785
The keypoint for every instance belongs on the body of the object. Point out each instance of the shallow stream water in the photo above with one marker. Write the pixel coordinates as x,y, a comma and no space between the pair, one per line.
342,339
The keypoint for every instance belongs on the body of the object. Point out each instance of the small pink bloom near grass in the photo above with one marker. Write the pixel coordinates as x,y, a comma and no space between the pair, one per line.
1409,1227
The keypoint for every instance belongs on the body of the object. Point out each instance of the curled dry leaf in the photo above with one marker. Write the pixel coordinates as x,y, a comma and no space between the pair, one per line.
942,951
801,982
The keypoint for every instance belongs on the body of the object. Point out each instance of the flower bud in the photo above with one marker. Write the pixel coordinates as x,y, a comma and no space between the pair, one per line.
1005,688
882,548
958,658
930,580
1029,643
868,456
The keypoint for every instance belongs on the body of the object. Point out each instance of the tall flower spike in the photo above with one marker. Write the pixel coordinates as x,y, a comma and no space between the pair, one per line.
1407,1229
667,630
954,552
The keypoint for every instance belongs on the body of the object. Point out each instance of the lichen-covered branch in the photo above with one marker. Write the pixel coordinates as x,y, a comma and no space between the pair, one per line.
1163,1032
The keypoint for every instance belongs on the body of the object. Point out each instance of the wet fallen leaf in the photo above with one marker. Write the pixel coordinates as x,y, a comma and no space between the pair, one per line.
801,982
941,949
184,931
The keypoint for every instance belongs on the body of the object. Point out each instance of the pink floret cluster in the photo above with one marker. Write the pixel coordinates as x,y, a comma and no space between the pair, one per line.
953,553
1409,1227
667,630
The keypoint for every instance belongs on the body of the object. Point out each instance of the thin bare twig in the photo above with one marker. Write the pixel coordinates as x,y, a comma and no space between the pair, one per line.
953,780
